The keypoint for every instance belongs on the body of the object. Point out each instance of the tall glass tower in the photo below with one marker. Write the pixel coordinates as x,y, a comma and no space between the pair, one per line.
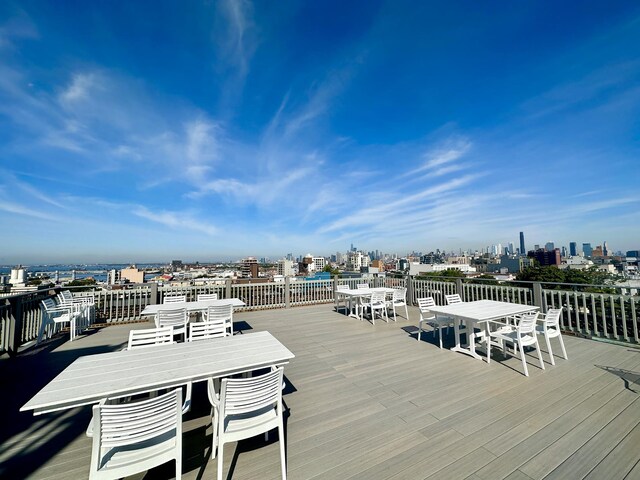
573,251
522,250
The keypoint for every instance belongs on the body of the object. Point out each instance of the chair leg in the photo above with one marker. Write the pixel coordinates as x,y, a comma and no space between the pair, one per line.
406,311
546,338
220,464
214,439
419,330
522,355
539,353
564,352
283,460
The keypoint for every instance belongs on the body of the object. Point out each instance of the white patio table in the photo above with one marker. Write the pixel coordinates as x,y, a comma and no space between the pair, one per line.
129,372
192,307
480,313
354,293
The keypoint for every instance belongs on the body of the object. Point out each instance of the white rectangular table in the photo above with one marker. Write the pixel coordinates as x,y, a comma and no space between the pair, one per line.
128,372
476,313
355,293
199,306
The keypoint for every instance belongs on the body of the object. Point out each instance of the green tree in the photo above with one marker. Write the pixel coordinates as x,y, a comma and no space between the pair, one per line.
331,270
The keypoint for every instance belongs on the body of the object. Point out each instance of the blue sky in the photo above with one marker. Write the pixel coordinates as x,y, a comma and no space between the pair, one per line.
147,131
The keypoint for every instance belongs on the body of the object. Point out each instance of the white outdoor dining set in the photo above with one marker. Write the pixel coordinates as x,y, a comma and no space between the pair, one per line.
375,300
493,323
489,322
140,393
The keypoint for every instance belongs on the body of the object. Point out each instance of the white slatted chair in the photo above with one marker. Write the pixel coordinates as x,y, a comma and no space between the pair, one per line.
424,304
244,408
173,317
66,299
150,337
341,297
209,329
375,302
53,316
143,338
451,299
550,328
399,299
84,304
174,299
207,296
362,286
523,335
220,313
135,437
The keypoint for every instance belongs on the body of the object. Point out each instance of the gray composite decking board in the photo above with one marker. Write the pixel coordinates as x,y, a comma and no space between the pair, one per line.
544,431
358,391
521,401
620,460
602,386
566,462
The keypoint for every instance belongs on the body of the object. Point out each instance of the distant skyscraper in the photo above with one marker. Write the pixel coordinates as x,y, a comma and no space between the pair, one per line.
587,251
572,249
563,252
549,247
605,249
522,250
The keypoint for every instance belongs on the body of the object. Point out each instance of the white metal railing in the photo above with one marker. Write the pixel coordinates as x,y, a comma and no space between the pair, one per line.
605,315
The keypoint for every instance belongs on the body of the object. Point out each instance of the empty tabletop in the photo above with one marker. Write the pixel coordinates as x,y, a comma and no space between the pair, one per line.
94,377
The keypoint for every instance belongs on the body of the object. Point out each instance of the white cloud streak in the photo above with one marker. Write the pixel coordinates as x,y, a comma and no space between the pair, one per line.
176,220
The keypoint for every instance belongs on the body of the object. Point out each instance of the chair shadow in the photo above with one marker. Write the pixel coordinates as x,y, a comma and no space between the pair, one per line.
628,377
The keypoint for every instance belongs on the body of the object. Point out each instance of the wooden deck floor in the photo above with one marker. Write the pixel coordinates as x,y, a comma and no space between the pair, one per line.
370,402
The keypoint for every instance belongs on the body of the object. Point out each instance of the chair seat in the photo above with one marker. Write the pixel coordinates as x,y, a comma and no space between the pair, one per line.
239,426
551,332
144,455
512,336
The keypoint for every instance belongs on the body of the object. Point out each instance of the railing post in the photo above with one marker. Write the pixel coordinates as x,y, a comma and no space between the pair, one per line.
537,295
153,293
227,288
15,326
459,289
409,283
287,293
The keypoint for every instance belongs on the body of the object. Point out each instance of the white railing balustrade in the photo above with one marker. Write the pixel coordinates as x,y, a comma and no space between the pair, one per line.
613,316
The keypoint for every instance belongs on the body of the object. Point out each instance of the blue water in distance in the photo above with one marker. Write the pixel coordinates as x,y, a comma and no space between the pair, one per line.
97,271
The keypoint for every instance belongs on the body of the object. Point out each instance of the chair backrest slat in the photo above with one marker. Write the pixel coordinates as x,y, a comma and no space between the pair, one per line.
174,299
168,317
209,329
425,303
362,285
527,323
451,299
129,423
552,318
207,296
150,337
245,395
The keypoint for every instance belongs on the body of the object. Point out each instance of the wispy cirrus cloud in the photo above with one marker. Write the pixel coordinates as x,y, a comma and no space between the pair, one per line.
438,160
176,220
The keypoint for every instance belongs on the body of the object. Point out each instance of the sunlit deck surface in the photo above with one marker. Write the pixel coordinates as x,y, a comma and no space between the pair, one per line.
370,402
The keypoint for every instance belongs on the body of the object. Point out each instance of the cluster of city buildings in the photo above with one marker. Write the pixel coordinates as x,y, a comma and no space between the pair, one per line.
501,262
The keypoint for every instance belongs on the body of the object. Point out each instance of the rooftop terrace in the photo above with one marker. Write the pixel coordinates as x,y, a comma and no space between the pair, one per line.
370,402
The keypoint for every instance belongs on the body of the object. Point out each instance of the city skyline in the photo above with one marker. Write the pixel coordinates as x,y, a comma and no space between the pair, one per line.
150,131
